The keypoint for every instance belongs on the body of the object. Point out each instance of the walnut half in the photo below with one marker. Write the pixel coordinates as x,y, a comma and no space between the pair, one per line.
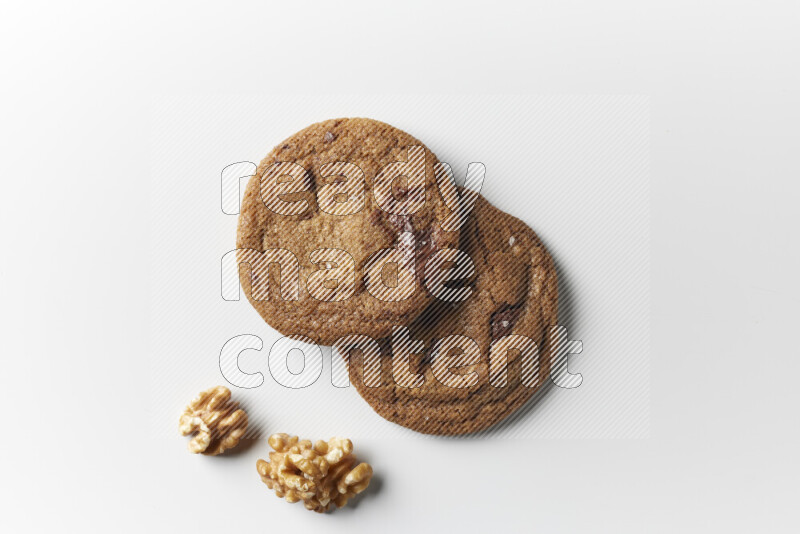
218,423
319,475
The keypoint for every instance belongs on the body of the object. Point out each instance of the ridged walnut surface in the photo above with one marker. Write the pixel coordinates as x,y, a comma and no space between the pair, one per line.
217,423
321,475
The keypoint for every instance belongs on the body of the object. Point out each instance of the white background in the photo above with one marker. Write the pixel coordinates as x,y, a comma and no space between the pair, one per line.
79,85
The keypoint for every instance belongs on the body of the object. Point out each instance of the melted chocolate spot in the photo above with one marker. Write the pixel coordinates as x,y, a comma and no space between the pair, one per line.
400,192
375,217
427,356
459,283
427,241
503,320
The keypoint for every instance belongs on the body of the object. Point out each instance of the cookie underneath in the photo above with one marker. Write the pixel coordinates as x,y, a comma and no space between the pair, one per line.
514,292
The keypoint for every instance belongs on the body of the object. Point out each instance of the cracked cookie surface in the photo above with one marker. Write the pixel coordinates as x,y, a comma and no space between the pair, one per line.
514,292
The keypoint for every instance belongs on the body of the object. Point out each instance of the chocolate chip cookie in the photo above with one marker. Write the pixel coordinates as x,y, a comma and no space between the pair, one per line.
322,206
511,306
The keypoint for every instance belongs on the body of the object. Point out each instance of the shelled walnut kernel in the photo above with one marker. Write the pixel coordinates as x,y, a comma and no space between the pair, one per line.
319,475
218,423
